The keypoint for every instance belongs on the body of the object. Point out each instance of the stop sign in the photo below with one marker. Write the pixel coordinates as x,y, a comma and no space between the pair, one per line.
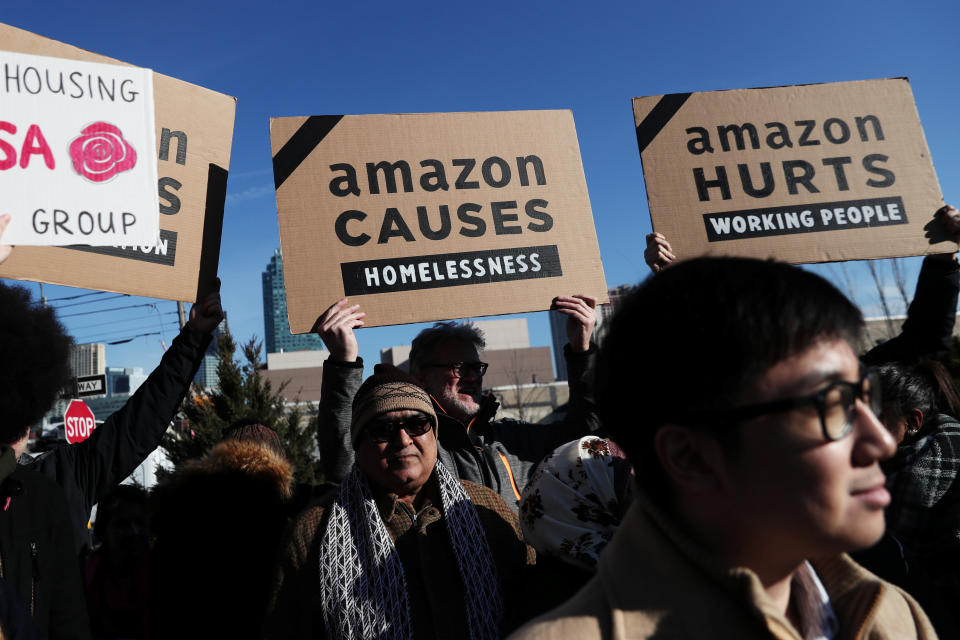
78,421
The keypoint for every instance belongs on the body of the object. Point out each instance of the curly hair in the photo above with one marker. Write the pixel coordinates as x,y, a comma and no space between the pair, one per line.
428,339
36,354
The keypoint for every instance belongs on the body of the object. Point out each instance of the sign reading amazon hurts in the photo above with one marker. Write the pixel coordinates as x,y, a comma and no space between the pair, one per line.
423,217
189,154
812,173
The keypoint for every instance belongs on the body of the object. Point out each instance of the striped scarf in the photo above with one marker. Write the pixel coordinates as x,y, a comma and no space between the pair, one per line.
363,588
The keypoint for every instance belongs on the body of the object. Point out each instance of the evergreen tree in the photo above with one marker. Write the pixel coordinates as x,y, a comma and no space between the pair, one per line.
242,393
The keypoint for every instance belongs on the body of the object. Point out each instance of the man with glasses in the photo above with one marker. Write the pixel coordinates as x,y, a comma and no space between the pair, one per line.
403,549
446,360
752,427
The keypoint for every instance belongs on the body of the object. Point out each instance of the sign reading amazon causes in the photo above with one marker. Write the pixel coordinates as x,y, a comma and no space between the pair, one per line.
187,147
422,217
77,152
811,173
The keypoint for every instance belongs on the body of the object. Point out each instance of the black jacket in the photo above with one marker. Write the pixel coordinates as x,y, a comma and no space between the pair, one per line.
36,553
90,469
928,329
499,454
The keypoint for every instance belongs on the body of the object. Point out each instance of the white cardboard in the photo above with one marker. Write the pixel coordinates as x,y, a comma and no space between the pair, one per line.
97,123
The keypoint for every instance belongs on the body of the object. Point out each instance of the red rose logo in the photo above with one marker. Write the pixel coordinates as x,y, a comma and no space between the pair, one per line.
100,152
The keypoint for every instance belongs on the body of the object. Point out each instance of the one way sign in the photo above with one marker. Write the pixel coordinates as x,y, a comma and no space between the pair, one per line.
91,386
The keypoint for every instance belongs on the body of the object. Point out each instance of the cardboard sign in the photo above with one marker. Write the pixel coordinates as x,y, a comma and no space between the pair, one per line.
422,217
812,173
193,134
77,154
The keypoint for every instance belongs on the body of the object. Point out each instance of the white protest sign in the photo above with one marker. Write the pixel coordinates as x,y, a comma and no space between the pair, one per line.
78,160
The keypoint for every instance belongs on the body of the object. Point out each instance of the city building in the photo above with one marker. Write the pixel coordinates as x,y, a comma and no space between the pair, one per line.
528,365
508,333
540,402
122,381
299,373
207,376
297,359
276,325
89,359
397,356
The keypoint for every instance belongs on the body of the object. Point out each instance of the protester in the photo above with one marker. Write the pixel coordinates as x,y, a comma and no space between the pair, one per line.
754,437
445,359
36,544
38,355
570,510
218,523
919,409
117,571
403,548
927,332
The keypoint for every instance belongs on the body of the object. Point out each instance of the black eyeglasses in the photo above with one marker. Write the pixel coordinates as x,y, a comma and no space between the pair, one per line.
476,368
835,403
384,430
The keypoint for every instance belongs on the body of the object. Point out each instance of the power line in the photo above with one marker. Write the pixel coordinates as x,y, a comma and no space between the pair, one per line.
129,306
80,295
134,319
132,338
101,337
76,304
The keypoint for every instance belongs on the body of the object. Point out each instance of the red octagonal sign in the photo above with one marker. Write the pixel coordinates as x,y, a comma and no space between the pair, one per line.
78,421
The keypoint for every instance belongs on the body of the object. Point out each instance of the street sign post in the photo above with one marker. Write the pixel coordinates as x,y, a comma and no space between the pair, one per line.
91,385
78,422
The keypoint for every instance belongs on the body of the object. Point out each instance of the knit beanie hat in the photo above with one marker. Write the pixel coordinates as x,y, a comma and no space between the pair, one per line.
388,389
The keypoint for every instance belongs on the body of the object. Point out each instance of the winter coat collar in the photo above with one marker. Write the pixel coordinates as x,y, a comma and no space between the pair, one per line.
653,574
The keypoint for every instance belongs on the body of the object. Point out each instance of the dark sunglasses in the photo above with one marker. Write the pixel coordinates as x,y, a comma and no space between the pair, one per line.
385,430
458,368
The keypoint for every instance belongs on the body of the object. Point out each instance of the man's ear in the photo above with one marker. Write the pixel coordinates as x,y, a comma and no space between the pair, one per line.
692,460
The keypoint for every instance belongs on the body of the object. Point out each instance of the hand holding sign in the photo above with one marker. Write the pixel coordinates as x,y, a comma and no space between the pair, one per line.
581,319
5,249
335,328
950,219
658,253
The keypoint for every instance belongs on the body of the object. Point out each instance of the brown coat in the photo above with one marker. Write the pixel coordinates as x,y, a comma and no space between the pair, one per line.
654,583
435,589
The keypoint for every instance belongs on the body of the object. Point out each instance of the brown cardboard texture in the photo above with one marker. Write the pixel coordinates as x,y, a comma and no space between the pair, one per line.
812,173
431,216
194,135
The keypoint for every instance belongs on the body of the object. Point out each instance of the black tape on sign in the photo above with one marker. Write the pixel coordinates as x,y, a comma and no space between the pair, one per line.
300,145
658,118
212,229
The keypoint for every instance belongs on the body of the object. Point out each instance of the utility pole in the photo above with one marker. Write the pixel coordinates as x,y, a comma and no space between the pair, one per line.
182,314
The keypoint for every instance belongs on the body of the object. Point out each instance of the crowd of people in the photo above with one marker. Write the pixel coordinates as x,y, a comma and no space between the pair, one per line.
727,467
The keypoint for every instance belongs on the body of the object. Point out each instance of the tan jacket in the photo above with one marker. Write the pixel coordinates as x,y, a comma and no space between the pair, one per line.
653,582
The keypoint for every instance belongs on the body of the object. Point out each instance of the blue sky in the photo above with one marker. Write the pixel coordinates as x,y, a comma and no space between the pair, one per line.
303,58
